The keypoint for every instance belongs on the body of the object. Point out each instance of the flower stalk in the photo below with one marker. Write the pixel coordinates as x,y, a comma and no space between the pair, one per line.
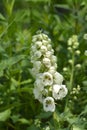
48,82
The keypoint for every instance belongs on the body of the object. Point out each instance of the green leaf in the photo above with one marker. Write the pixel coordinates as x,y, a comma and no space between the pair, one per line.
9,62
2,17
26,89
32,127
44,115
39,1
78,127
23,121
84,111
5,115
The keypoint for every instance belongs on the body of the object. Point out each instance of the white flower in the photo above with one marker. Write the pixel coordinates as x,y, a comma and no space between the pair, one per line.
34,72
48,54
45,36
74,38
58,78
43,49
59,91
49,104
49,47
53,59
47,79
37,65
85,53
37,93
38,83
40,94
52,70
37,37
78,52
34,39
52,51
38,44
37,54
75,45
70,42
46,62
85,36
45,42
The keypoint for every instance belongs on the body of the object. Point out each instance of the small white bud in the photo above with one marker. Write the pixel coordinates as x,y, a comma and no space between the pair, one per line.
77,52
70,61
65,69
85,53
78,66
85,36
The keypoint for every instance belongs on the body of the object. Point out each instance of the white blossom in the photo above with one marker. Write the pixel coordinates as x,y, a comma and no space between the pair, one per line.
53,59
34,72
52,70
49,47
43,49
37,94
59,91
44,70
45,42
45,36
58,78
37,65
48,54
85,53
47,79
69,42
46,62
49,104
85,36
38,44
38,83
37,54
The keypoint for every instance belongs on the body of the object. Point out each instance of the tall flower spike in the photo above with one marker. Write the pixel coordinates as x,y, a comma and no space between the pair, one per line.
48,82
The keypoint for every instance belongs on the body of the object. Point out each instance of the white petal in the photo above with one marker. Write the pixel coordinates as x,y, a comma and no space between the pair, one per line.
49,104
58,78
47,79
59,91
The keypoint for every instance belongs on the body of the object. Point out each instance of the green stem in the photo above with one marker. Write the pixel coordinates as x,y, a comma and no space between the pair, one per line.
56,120
72,71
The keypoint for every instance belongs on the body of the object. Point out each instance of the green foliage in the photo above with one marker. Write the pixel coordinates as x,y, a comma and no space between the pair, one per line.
5,115
19,20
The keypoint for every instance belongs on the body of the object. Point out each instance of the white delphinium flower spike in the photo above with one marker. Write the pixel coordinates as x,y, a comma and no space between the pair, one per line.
48,82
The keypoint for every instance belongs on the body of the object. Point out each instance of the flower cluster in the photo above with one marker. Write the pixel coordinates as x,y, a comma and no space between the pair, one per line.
48,82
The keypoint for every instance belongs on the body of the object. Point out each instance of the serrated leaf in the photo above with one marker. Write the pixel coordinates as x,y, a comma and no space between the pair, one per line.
5,115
